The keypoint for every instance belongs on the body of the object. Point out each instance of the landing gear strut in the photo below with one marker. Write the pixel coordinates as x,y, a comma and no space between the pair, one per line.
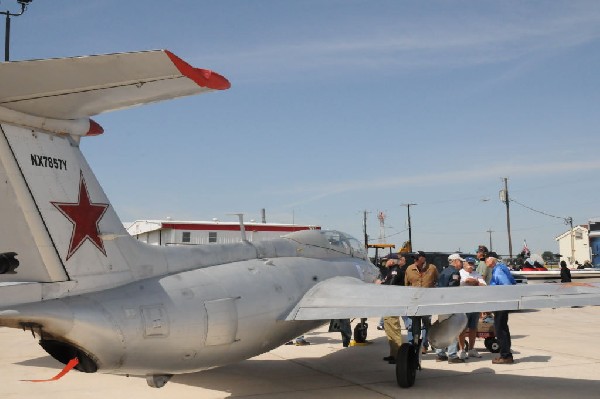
360,331
408,358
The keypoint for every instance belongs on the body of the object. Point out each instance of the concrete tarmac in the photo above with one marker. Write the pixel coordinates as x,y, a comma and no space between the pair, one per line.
556,354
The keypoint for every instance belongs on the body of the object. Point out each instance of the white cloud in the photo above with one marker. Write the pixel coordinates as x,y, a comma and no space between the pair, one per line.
459,176
418,42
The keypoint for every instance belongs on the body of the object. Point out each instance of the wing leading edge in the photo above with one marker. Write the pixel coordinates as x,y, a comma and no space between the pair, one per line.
346,297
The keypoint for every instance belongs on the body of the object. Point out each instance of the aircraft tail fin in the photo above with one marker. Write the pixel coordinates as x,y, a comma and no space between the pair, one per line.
53,212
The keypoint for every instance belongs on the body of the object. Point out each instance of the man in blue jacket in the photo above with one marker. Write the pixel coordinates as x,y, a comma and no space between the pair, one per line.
501,276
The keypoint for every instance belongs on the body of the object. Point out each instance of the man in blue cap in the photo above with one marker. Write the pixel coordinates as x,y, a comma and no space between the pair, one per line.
450,277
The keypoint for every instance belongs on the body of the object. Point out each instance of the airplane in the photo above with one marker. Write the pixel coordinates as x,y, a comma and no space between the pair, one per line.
98,300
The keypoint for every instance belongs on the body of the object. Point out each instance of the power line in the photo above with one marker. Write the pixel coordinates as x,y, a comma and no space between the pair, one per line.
567,220
535,210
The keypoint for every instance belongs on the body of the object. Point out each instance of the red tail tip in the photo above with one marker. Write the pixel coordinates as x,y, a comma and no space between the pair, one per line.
95,129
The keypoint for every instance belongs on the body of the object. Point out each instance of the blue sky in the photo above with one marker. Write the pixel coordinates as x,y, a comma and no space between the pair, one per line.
337,107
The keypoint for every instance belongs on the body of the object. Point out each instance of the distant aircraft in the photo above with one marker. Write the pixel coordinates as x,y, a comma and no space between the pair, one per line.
95,297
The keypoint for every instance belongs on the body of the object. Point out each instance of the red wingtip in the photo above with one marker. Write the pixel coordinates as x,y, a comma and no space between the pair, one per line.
95,129
202,77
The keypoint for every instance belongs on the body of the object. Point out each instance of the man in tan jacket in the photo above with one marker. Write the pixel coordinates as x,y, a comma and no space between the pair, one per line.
421,274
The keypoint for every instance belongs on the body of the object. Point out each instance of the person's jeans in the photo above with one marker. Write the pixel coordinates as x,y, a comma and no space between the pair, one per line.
451,351
408,325
502,332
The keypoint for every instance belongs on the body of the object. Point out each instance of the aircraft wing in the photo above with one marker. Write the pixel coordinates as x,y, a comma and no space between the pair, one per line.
347,297
80,87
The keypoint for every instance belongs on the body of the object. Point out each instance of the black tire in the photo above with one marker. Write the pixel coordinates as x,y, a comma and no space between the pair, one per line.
492,345
360,333
406,365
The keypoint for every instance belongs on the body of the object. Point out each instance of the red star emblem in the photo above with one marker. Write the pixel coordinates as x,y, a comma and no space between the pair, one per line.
85,216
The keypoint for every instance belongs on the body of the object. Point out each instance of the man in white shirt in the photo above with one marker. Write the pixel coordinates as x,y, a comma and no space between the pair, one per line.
468,276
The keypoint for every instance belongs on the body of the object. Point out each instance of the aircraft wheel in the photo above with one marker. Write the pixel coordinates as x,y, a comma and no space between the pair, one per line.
406,365
360,332
492,345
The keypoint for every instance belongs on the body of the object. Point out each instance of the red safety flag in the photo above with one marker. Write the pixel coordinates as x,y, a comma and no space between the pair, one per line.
72,363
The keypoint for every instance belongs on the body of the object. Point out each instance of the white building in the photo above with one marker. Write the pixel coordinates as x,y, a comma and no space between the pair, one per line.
170,232
594,233
580,244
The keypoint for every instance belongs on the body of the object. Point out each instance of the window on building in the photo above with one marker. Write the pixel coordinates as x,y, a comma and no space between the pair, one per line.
186,236
212,236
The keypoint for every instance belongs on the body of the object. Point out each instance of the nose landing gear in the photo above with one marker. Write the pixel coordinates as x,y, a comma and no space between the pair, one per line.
408,361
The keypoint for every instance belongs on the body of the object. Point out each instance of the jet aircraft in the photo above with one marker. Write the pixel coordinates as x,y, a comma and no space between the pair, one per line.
101,301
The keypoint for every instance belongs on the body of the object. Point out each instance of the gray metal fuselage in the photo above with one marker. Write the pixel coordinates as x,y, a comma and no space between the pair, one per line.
200,318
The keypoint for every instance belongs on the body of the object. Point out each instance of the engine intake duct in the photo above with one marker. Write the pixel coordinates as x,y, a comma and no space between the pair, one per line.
63,352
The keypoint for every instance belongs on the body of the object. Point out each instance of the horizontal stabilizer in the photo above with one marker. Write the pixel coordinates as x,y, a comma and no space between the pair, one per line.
19,293
56,218
346,297
80,87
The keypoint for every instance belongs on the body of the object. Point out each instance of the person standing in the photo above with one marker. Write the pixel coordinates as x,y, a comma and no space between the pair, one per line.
421,274
344,326
501,276
469,277
391,324
482,268
450,277
565,273
402,266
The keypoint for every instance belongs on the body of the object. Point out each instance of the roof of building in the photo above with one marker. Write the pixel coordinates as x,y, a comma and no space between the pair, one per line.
147,226
582,227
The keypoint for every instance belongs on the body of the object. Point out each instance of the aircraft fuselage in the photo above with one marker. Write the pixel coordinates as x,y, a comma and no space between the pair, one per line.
192,320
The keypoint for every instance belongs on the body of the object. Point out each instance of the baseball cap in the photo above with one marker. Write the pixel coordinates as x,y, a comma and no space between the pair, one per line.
471,259
454,257
392,256
492,255
418,254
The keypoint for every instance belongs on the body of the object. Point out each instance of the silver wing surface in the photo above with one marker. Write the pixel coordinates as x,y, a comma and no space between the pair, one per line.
71,88
347,297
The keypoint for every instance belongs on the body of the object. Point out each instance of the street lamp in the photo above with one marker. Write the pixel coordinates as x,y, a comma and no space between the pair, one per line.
491,231
569,221
24,4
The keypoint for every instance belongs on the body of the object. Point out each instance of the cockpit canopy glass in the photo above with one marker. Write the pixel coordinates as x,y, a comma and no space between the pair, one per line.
330,239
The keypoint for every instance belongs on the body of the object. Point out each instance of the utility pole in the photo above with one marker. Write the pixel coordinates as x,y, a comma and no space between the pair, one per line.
24,4
365,212
505,198
490,231
409,225
569,220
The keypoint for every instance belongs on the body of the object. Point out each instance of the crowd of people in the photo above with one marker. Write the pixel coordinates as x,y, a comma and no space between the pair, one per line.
484,269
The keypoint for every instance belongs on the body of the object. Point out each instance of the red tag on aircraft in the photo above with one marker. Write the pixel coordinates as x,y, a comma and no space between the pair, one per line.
85,216
68,367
